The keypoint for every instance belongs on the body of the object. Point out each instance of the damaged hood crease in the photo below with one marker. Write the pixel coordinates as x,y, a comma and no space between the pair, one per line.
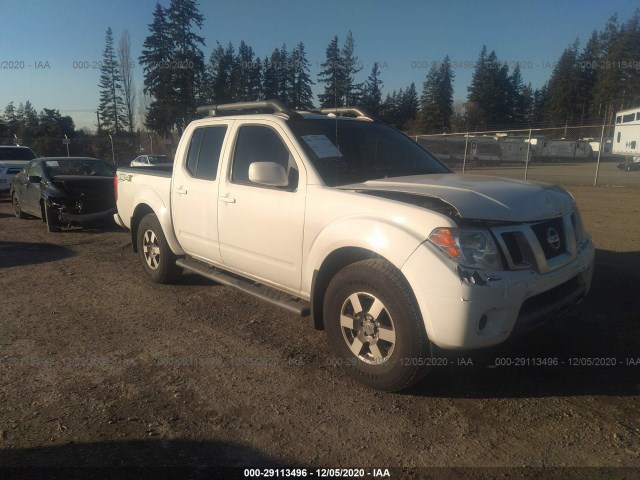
477,197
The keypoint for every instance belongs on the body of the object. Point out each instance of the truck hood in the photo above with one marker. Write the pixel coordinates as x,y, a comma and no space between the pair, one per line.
479,197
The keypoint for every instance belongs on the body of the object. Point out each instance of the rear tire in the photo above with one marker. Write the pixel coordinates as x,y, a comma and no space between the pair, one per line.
374,326
157,258
16,207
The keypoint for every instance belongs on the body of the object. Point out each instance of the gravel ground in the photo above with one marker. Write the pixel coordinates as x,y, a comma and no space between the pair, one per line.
99,367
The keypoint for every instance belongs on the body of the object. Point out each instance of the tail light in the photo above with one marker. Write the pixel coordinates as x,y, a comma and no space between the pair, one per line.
115,188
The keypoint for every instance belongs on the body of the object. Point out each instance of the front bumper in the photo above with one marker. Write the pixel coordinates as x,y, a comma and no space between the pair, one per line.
467,310
87,217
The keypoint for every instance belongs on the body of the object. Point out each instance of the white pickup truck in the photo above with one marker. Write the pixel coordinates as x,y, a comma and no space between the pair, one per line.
338,216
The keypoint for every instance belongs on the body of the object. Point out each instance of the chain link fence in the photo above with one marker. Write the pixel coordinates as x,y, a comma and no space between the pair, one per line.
117,150
606,154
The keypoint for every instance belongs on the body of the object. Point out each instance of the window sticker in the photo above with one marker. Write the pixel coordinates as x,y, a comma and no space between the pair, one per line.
322,146
52,163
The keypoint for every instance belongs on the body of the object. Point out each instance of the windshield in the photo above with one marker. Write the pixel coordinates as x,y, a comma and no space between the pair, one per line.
155,159
363,151
79,166
16,153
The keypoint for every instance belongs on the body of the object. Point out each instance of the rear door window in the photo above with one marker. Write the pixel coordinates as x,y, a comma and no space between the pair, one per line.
204,151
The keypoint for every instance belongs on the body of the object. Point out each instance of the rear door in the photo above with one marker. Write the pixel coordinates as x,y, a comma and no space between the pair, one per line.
194,193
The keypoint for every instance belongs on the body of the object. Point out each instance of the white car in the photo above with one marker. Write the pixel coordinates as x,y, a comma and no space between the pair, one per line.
12,160
352,222
151,160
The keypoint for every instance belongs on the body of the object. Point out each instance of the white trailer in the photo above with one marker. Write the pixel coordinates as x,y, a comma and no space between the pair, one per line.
626,135
562,150
480,151
515,149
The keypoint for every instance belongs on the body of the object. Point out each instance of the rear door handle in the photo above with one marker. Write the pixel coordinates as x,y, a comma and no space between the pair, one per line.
227,200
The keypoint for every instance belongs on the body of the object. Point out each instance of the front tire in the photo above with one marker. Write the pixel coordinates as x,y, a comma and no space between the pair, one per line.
374,326
157,258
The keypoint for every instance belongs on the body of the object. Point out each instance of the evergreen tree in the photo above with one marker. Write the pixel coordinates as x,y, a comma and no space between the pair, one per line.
283,74
246,75
30,116
125,64
371,98
301,96
408,108
391,108
351,66
488,100
156,58
10,118
588,74
220,74
187,59
436,101
539,105
332,76
526,104
519,99
111,109
618,82
277,76
562,89
270,82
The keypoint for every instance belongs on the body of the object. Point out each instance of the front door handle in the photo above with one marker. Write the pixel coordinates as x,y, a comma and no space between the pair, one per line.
181,191
227,200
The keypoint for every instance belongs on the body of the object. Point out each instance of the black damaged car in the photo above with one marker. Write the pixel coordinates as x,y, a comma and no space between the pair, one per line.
64,190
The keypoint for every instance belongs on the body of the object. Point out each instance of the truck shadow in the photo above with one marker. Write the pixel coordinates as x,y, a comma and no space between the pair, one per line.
596,348
135,459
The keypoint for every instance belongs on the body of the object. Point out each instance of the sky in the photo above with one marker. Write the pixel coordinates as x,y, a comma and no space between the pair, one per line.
49,51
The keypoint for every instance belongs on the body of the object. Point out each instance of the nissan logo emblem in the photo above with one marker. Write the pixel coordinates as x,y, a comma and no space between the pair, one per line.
553,238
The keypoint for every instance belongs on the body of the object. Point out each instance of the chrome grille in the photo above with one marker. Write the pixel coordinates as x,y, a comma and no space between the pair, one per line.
551,236
542,246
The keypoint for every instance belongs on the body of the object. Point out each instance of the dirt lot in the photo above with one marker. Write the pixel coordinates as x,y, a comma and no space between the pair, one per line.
100,367
565,173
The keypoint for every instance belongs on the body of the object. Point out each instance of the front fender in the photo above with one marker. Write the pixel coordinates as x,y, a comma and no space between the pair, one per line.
380,235
163,212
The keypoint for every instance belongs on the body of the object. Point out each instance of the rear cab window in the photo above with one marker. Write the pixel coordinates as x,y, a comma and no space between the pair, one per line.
204,152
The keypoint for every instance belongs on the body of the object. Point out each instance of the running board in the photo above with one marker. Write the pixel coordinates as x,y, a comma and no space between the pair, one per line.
268,294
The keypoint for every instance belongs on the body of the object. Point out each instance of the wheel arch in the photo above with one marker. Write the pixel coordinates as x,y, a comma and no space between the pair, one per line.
143,209
332,264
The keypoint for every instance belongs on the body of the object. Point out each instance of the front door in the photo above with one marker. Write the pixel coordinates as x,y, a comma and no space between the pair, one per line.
261,227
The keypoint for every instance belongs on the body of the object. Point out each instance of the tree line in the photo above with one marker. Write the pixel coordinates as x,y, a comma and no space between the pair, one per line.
42,131
587,85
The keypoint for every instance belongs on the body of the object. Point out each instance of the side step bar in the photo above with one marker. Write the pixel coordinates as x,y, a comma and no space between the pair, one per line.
271,295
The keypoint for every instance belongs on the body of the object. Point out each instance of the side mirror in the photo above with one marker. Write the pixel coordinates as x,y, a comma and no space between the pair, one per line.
270,174
35,179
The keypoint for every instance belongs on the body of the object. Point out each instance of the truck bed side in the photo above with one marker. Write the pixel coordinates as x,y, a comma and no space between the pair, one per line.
143,190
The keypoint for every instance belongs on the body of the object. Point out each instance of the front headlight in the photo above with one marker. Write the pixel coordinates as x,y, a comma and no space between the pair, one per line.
471,247
578,228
